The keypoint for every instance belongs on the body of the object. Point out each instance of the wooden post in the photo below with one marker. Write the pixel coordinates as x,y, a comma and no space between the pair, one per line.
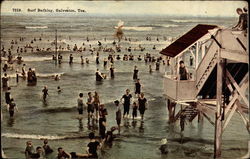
56,47
218,122
171,111
202,51
197,54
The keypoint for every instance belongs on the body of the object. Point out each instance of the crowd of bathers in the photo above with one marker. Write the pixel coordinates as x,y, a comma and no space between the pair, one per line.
96,111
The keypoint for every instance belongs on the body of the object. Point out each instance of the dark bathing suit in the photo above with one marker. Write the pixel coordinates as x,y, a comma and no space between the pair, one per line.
93,148
126,103
142,105
102,128
137,88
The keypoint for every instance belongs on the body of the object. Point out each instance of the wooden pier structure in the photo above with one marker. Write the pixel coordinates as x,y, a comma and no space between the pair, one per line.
219,78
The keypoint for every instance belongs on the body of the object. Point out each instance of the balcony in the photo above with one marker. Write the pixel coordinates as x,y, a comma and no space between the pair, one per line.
179,90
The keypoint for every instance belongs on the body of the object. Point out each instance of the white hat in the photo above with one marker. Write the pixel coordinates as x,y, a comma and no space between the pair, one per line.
164,141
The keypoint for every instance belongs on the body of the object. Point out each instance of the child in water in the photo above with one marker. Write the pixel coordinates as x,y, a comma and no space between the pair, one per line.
135,107
164,148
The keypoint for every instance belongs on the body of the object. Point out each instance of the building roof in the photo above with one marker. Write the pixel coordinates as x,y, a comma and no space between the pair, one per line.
187,39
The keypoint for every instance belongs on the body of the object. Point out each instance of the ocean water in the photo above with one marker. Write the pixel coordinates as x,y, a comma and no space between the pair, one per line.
57,118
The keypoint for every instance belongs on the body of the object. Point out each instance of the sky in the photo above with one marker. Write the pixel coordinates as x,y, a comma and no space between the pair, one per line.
176,8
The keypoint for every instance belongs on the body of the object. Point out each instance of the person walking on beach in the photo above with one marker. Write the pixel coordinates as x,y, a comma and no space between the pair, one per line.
112,71
118,115
96,103
135,75
12,107
142,101
80,104
45,93
126,102
90,107
137,87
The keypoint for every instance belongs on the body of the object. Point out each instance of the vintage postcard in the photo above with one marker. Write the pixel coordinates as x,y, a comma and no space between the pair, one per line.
124,79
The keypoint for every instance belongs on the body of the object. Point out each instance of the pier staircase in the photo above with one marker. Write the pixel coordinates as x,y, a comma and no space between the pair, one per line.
221,79
206,67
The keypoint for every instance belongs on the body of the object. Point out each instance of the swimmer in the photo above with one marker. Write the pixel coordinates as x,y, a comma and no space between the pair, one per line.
118,115
80,103
90,105
12,107
45,93
57,77
135,75
59,90
134,113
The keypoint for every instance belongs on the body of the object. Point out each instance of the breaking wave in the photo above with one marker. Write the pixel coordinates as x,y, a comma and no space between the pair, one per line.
30,59
160,26
39,137
39,74
36,27
49,74
137,28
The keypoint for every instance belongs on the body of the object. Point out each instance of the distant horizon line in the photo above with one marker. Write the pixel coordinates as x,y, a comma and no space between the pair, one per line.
106,15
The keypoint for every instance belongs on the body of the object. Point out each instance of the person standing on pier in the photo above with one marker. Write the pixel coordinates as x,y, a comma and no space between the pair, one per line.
183,72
